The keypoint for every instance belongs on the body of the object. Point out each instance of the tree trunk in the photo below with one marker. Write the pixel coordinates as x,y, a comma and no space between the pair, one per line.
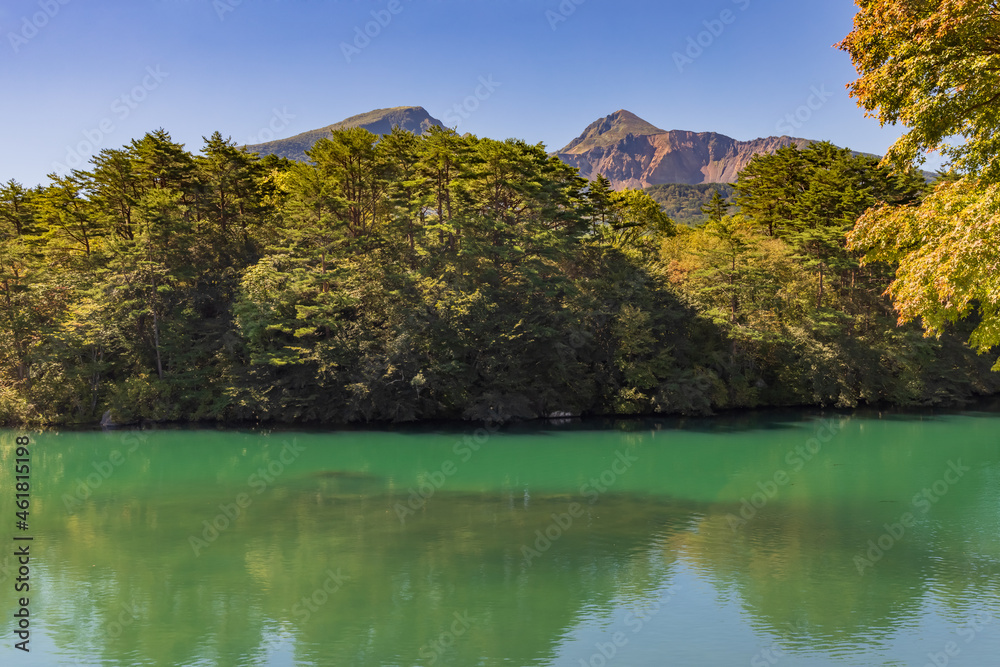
819,302
326,285
95,383
156,343
732,289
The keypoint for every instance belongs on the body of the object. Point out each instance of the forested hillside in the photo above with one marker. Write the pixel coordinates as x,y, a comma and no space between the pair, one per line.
444,276
379,121
684,203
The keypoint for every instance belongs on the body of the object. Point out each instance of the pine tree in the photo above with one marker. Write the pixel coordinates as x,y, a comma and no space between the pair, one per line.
717,208
599,196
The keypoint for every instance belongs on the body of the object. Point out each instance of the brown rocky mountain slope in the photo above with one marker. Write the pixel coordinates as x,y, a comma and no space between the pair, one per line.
633,153
629,151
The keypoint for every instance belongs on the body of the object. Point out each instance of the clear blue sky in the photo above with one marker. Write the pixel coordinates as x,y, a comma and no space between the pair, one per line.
79,72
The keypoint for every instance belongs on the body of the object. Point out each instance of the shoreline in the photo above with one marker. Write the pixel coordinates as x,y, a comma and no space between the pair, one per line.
981,403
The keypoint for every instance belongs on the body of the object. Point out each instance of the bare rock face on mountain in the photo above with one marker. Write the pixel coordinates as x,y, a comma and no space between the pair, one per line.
632,153
629,151
380,121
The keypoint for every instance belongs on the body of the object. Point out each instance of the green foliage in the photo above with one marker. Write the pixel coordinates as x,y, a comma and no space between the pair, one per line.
946,251
634,219
685,204
399,278
932,66
812,197
716,208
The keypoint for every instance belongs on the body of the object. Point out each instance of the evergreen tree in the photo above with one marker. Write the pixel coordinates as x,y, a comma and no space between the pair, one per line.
599,195
400,277
717,208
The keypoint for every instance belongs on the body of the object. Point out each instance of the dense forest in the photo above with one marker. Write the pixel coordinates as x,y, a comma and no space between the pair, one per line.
685,204
444,276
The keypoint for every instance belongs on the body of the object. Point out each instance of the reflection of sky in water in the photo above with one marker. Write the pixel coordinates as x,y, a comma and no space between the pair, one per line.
689,622
782,589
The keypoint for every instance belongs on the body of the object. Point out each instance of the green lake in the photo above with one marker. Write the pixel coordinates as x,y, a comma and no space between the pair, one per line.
776,538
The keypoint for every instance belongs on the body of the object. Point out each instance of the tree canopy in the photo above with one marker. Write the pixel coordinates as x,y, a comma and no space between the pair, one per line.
934,66
403,277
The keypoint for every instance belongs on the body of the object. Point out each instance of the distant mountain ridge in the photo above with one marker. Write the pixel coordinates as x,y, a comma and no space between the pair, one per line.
629,151
380,121
633,153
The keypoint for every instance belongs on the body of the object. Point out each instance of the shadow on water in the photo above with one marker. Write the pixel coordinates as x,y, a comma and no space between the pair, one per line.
147,561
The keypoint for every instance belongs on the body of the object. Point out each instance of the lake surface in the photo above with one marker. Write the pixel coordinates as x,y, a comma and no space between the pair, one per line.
761,539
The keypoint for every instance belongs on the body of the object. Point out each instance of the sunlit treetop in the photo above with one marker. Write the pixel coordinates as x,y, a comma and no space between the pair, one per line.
947,255
933,66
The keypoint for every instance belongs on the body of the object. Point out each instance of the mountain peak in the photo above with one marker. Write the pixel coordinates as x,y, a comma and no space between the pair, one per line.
379,121
624,115
632,153
610,130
